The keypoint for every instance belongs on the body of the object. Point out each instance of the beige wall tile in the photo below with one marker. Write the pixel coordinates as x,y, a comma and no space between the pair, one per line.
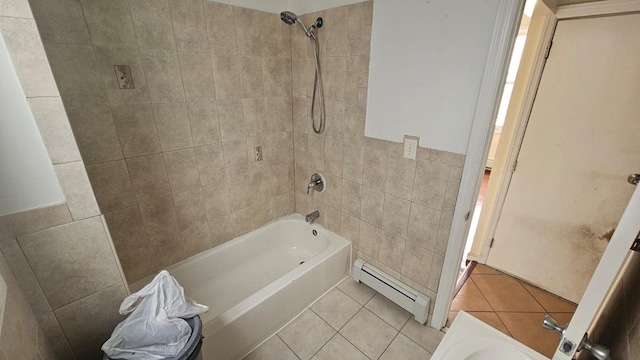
235,157
372,206
301,149
182,170
220,28
162,69
282,205
86,337
247,24
211,165
332,219
108,57
96,133
242,221
77,74
77,190
254,116
197,76
354,118
56,337
136,130
447,158
302,72
336,31
453,187
334,78
332,194
392,251
279,114
333,157
203,118
239,192
127,230
28,57
216,201
18,338
417,263
275,36
109,23
60,21
353,163
259,185
444,229
351,198
30,221
226,77
189,25
15,8
281,147
139,262
71,261
423,226
301,118
282,179
190,209
334,128
430,184
221,230
166,256
277,77
231,118
24,276
111,185
316,152
376,167
161,222
436,271
172,122
250,70
396,215
401,176
148,177
152,22
55,129
369,239
359,29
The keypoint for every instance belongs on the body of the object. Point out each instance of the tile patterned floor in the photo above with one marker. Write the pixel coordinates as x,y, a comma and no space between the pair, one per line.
513,307
351,322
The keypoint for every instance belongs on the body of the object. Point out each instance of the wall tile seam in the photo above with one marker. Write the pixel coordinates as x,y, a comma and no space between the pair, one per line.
21,233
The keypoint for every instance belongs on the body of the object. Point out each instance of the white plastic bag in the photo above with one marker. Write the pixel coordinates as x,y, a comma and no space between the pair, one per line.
154,328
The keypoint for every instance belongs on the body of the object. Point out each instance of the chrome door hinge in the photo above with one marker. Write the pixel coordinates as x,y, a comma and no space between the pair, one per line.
491,243
515,165
548,51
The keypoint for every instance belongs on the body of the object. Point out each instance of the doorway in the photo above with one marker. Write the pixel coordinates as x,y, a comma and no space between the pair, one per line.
514,64
583,105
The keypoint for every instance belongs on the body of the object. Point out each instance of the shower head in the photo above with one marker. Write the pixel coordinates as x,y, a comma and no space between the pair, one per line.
288,17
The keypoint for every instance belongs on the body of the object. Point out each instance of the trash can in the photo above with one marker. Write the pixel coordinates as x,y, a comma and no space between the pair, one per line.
193,349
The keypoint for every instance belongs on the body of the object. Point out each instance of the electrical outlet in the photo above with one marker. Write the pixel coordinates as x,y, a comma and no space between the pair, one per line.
123,74
410,146
257,151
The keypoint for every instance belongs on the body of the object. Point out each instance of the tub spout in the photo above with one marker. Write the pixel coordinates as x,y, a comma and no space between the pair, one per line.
312,217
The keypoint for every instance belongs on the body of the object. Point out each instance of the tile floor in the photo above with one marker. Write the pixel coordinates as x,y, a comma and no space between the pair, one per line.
350,322
513,307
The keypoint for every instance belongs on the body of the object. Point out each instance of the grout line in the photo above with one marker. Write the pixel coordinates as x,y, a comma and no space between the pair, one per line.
285,344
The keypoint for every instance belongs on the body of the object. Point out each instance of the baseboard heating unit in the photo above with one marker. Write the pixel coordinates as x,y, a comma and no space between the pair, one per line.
401,294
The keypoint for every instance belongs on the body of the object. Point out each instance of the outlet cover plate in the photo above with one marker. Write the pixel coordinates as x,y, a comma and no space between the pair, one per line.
257,151
411,146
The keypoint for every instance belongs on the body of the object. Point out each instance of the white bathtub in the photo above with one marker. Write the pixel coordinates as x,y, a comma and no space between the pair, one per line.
256,283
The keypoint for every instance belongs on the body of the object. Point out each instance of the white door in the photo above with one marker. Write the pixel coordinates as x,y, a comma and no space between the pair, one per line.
583,139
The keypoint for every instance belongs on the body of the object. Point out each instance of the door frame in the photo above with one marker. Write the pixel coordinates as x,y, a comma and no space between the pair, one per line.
505,30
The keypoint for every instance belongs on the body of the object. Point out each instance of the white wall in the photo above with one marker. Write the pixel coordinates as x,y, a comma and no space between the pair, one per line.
427,62
27,180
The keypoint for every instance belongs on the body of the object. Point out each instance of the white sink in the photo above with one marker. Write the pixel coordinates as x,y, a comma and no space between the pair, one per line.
471,339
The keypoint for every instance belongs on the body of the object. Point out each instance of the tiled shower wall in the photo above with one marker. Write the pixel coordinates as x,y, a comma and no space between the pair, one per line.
396,211
172,160
63,277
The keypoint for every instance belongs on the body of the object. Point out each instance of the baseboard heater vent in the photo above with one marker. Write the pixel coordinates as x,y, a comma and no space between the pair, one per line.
401,294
